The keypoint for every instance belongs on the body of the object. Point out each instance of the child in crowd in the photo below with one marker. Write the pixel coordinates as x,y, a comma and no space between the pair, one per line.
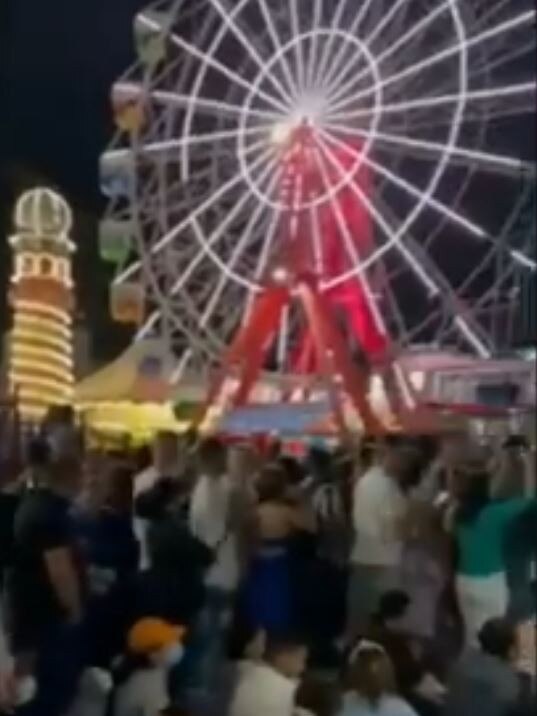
372,687
269,687
154,647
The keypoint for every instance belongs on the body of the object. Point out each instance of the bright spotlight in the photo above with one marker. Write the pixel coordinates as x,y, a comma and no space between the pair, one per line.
281,132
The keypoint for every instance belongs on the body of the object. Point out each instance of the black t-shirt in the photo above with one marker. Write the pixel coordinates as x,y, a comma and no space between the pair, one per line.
42,524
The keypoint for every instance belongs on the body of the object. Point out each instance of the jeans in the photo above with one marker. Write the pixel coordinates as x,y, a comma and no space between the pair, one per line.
59,665
205,650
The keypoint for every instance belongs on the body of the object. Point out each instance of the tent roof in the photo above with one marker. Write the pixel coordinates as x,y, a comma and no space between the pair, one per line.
140,374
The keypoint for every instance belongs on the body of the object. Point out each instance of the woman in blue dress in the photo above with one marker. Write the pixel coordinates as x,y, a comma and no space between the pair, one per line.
268,593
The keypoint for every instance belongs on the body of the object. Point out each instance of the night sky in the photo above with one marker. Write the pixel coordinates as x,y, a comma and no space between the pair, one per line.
58,60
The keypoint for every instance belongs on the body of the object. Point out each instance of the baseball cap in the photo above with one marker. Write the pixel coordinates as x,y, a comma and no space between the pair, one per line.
151,634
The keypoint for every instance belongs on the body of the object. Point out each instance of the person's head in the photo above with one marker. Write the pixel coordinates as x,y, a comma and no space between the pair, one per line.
166,453
242,463
453,448
294,473
367,452
397,458
287,654
471,487
212,458
317,697
272,484
39,454
371,674
155,642
246,642
498,637
319,462
392,606
118,488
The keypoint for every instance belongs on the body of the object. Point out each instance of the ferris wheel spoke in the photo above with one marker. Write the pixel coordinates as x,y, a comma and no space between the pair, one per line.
207,244
299,57
487,161
228,18
314,48
337,23
277,43
393,238
462,318
213,106
194,140
194,264
350,247
447,53
525,89
416,29
211,61
201,209
407,186
239,249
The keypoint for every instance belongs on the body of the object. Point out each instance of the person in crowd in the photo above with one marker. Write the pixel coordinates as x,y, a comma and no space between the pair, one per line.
480,526
372,687
245,647
513,476
214,521
268,599
154,647
268,688
61,432
8,686
103,523
415,682
380,513
166,465
46,589
485,679
316,697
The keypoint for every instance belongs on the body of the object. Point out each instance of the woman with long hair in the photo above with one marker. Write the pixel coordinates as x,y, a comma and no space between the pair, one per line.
480,525
268,594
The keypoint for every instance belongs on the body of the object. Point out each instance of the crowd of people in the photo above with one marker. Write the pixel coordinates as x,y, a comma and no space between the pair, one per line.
211,578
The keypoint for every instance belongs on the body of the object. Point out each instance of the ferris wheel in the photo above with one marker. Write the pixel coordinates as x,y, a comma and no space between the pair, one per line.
383,148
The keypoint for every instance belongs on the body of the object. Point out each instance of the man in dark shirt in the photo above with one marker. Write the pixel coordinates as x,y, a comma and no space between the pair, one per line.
45,589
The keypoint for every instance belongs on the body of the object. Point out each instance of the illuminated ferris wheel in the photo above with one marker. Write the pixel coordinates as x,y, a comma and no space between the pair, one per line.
383,149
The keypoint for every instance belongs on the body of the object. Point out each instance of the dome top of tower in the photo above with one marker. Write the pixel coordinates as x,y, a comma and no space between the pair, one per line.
42,212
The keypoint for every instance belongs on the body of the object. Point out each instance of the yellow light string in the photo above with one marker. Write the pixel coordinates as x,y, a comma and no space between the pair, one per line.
34,381
23,304
23,366
22,351
29,321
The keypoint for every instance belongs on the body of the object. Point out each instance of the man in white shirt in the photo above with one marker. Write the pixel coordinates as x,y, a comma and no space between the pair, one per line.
165,465
212,520
380,509
269,688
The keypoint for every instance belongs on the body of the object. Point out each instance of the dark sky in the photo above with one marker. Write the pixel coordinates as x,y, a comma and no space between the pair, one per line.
58,59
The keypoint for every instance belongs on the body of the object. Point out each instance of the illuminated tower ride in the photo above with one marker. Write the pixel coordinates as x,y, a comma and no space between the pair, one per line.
41,296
